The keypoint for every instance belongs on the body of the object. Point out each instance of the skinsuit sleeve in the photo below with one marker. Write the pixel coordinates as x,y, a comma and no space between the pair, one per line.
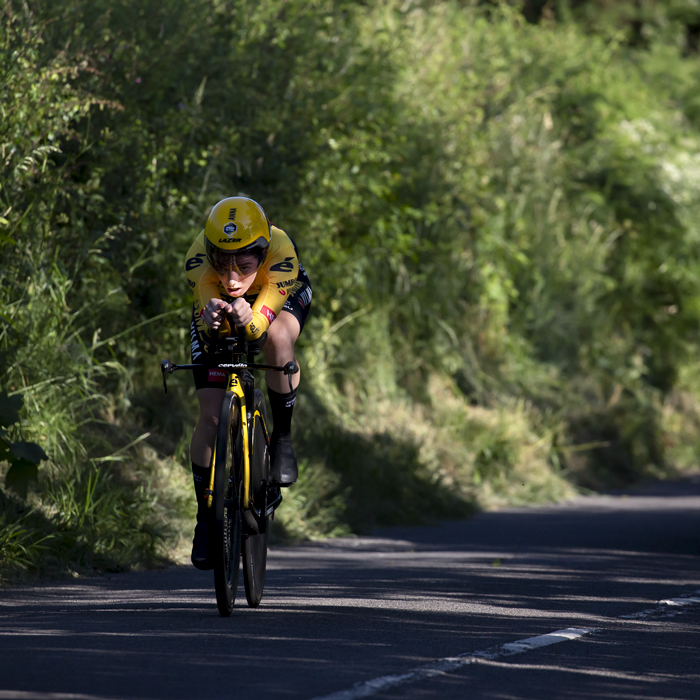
274,280
203,282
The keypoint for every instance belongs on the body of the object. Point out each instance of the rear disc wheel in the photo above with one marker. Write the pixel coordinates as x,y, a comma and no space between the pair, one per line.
255,545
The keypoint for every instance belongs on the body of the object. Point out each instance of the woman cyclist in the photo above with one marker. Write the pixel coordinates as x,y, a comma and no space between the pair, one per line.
243,268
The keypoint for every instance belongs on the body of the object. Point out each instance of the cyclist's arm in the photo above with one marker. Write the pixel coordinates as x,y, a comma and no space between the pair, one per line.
281,272
203,282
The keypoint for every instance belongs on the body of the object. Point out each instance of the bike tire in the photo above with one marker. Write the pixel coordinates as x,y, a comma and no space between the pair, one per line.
255,546
228,530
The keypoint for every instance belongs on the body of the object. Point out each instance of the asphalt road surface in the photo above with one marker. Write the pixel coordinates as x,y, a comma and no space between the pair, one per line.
597,597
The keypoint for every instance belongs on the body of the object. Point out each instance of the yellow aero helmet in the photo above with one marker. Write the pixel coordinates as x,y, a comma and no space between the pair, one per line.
237,228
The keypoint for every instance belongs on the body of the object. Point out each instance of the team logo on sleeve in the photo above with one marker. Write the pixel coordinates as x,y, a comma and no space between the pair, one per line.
268,313
195,262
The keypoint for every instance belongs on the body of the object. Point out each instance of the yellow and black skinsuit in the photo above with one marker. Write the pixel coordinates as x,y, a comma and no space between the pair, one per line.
280,282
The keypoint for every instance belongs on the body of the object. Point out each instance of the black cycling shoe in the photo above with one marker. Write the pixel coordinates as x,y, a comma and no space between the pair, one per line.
283,471
200,548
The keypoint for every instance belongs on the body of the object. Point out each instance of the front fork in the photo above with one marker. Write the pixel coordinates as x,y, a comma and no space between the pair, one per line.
234,386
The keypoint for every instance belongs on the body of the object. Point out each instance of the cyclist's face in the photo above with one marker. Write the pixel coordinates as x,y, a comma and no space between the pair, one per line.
237,280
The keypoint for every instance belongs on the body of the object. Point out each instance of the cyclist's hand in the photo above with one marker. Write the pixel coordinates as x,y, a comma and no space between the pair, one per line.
241,313
214,313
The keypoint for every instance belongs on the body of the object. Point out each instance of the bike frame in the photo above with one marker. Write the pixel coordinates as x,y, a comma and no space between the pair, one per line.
235,385
238,374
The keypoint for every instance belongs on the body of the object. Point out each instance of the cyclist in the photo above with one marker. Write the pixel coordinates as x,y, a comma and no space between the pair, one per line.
242,267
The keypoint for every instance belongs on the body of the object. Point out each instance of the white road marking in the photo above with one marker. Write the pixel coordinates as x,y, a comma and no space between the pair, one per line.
680,601
664,608
435,668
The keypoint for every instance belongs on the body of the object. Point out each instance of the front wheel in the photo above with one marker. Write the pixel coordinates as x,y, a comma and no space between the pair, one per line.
227,504
255,545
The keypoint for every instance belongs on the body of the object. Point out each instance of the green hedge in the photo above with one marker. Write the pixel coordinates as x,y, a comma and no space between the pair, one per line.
498,215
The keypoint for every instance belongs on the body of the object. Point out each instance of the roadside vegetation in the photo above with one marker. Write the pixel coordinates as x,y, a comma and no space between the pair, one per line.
497,203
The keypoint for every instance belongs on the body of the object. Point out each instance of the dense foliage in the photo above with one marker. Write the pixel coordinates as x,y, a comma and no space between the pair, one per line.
497,204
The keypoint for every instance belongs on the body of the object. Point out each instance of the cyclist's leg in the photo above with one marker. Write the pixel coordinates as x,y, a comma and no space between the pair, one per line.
210,384
204,434
200,453
279,349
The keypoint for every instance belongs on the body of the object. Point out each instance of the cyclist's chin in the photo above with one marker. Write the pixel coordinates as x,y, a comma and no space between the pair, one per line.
236,287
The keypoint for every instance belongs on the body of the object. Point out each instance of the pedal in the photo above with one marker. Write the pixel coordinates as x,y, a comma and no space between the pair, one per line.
273,498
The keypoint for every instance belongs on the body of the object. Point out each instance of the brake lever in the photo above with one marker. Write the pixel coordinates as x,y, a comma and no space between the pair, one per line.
289,369
166,367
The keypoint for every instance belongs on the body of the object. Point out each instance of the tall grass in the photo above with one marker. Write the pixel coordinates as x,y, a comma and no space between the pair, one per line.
96,503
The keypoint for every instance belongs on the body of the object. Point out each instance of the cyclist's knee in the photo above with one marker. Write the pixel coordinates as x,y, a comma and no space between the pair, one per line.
209,404
281,336
208,420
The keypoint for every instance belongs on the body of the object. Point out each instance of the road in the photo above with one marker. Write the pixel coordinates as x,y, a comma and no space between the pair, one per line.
411,613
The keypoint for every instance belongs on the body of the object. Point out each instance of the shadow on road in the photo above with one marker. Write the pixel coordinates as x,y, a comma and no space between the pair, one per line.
340,611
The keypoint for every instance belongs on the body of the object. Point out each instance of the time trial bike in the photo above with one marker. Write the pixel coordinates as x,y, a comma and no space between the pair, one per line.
241,500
